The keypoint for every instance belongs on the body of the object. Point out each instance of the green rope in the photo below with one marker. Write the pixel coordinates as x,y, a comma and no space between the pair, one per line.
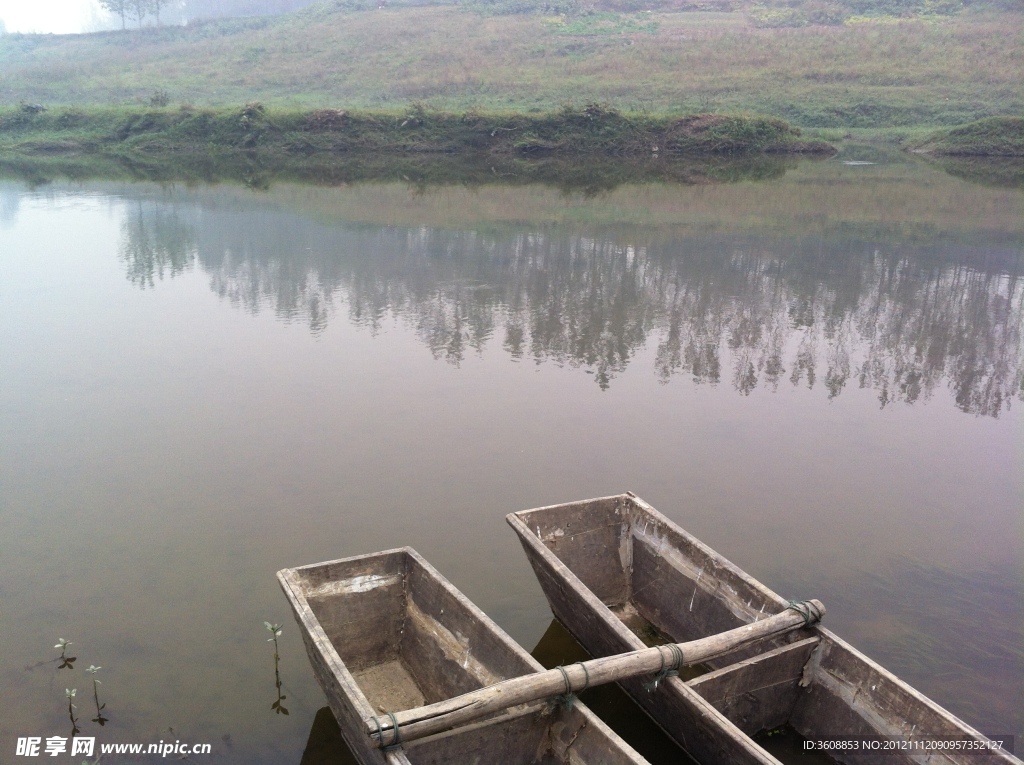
810,612
568,698
398,736
586,677
666,671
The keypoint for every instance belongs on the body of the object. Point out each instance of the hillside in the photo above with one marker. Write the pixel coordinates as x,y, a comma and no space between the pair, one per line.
866,72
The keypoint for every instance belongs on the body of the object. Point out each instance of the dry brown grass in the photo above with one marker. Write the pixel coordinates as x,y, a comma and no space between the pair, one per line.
937,72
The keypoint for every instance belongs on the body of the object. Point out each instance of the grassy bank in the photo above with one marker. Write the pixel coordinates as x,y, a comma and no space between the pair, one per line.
590,130
993,137
868,72
258,170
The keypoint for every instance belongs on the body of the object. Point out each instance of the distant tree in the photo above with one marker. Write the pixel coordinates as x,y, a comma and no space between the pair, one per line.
138,9
3,28
155,6
118,8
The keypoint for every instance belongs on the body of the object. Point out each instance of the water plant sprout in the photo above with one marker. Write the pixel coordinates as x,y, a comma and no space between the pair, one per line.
275,632
92,669
69,693
65,660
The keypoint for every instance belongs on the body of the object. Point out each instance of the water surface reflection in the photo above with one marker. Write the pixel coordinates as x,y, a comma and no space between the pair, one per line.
901,311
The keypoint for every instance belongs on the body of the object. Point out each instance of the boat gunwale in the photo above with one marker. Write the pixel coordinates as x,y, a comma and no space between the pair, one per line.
288,578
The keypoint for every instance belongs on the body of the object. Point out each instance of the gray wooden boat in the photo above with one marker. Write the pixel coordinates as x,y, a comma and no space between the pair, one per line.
618,574
386,632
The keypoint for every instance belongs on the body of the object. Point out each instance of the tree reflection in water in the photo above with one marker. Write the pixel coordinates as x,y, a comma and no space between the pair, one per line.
157,239
900,314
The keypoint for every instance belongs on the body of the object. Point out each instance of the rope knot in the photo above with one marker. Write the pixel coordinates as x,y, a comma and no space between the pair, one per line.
568,698
666,670
810,612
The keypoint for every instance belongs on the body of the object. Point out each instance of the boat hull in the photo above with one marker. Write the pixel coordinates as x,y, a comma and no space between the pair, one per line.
618,574
386,632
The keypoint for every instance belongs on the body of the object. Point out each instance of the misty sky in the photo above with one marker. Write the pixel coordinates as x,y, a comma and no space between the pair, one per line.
57,16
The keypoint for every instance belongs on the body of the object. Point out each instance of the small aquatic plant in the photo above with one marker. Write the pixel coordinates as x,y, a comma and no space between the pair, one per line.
69,693
65,660
275,632
92,669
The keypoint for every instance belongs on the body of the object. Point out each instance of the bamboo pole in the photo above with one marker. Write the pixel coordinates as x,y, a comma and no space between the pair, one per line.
443,715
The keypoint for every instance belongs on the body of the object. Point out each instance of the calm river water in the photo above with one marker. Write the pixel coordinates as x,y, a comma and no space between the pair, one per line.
818,374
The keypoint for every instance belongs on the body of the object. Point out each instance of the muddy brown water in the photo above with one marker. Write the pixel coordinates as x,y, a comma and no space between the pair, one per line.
819,375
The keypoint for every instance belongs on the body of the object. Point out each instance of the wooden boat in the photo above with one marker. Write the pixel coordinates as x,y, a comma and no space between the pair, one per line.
386,632
619,575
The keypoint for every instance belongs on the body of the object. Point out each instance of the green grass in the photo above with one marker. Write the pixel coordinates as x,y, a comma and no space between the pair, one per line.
992,137
591,130
879,72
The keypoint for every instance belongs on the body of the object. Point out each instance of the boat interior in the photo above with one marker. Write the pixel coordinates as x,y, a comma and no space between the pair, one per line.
400,632
407,637
663,584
